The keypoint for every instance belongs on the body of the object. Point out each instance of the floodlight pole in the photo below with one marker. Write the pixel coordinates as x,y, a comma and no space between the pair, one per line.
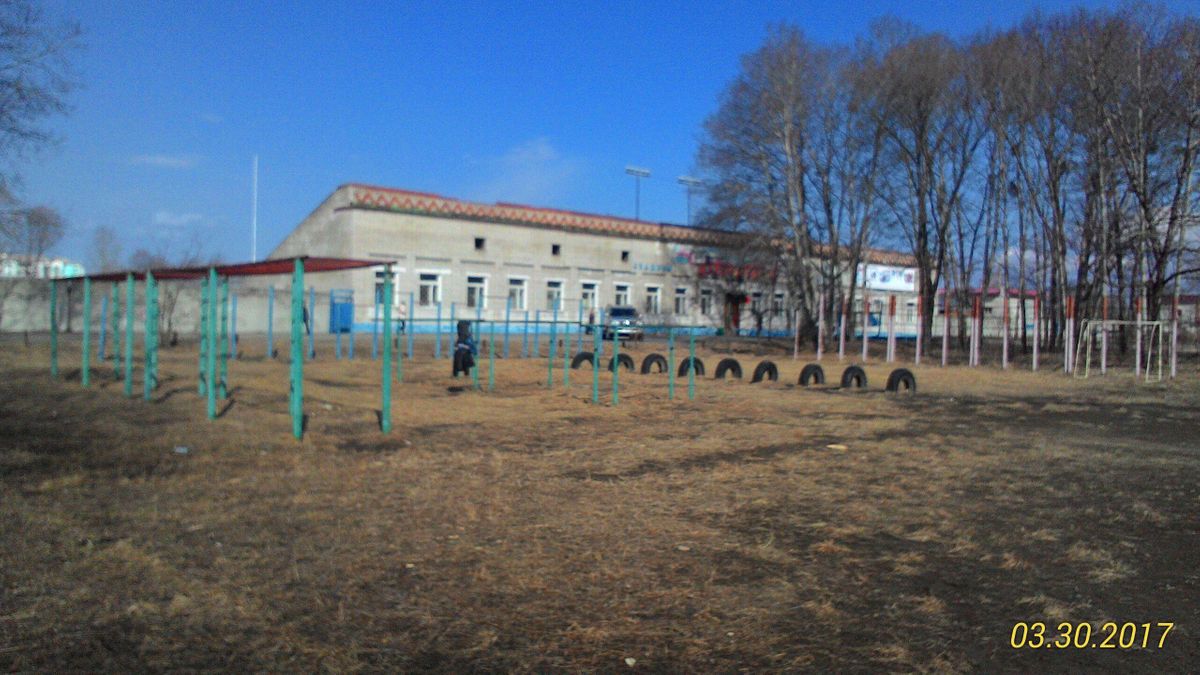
638,174
689,183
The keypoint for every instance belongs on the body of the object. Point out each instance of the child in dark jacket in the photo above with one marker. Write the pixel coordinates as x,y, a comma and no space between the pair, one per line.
464,350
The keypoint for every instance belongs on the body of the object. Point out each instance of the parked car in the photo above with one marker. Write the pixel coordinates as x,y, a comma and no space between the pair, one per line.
625,322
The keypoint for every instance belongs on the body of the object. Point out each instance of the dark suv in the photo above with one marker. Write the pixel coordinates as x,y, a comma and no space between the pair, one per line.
625,322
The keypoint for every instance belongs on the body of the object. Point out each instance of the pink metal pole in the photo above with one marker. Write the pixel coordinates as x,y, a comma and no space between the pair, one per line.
820,325
1004,340
1104,335
1137,317
945,326
1174,334
1037,328
842,333
866,320
796,336
920,330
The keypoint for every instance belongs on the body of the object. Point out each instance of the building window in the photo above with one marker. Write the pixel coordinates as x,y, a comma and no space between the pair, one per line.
653,299
430,290
516,293
554,295
706,301
555,249
624,256
756,302
479,243
380,277
621,295
588,295
681,301
477,292
777,309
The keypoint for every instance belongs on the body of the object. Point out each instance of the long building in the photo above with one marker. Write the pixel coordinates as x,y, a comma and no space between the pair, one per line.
492,259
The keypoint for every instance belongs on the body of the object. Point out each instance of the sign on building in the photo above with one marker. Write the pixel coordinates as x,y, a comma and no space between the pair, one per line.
888,278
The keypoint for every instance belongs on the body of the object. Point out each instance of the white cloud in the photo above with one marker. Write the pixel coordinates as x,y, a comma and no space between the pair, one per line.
170,219
211,118
533,172
165,161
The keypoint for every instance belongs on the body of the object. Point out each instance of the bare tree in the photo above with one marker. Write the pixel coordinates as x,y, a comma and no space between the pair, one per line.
106,249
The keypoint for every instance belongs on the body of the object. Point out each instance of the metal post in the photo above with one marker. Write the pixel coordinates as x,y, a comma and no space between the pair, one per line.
116,329
692,363
507,322
475,368
201,370
412,323
337,330
437,331
537,332
491,356
525,337
85,372
297,370
53,329
101,354
271,322
385,375
595,366
375,330
233,334
550,359
312,321
149,338
129,299
223,348
671,364
616,367
210,337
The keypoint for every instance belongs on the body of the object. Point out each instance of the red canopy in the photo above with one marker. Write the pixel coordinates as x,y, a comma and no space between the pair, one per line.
245,269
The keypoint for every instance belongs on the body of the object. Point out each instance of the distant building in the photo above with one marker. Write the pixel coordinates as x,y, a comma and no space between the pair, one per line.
14,265
492,259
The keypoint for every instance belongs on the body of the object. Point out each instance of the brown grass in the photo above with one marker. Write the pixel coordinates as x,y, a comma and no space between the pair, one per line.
531,530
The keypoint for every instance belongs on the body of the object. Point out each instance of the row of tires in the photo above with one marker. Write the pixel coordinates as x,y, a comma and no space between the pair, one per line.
853,377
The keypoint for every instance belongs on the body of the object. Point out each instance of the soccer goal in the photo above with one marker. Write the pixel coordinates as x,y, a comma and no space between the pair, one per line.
1148,349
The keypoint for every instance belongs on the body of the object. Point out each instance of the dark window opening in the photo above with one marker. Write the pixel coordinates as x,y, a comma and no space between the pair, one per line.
624,256
555,249
478,243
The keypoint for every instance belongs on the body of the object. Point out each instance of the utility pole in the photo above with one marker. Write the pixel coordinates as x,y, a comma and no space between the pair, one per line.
638,174
689,183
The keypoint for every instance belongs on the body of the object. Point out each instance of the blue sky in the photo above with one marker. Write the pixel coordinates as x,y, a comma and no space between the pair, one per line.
523,102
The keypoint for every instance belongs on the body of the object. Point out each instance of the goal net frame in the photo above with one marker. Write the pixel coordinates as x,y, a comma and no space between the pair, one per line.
1145,332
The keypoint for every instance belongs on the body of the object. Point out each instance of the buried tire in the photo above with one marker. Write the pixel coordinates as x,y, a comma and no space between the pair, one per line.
730,366
902,379
689,364
580,359
623,360
854,377
654,363
812,373
765,369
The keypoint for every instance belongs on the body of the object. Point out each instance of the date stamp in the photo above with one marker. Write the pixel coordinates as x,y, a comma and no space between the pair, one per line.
1079,635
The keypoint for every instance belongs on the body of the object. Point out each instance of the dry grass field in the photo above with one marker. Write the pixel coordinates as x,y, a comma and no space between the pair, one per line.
763,527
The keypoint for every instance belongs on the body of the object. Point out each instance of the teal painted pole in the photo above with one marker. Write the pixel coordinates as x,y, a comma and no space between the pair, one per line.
210,349
579,346
567,363
437,331
233,334
596,365
101,352
507,321
385,410
297,370
412,323
201,368
375,331
271,322
491,356
600,329
312,321
525,338
692,364
85,371
671,364
351,325
53,329
337,334
616,369
452,332
129,299
550,360
149,338
475,368
223,343
116,329
537,333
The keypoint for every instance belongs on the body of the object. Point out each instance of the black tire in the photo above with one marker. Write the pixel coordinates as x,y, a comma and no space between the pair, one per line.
655,362
854,378
623,360
580,359
730,366
689,363
813,373
902,379
765,369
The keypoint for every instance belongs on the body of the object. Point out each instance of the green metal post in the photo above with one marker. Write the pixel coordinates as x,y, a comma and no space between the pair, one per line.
491,356
201,378
616,369
596,365
437,330
412,323
692,364
385,412
85,372
475,368
297,371
53,329
223,343
150,337
129,299
567,361
116,329
210,348
671,364
550,360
